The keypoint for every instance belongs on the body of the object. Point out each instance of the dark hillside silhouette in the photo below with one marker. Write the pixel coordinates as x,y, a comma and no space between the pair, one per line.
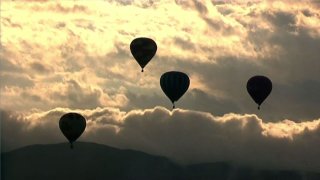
90,161
87,161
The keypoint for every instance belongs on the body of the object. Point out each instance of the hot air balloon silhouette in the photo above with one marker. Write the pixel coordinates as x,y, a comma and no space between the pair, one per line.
72,126
143,49
259,88
174,84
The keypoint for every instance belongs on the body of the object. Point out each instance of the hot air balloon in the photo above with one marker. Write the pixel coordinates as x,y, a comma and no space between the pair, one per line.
72,126
259,88
174,84
143,49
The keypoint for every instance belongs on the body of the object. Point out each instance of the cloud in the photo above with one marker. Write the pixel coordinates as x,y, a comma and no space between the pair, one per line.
220,45
76,55
185,136
283,48
15,80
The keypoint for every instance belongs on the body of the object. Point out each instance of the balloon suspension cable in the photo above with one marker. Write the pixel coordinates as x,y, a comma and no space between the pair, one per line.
142,70
71,146
259,107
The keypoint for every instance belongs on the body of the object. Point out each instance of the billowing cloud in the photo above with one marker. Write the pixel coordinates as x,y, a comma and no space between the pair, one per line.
76,54
185,136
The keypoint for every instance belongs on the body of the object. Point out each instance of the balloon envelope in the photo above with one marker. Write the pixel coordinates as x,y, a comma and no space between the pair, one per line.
174,84
259,88
72,126
143,49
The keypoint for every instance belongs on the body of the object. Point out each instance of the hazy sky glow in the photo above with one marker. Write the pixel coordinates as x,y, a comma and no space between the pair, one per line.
66,56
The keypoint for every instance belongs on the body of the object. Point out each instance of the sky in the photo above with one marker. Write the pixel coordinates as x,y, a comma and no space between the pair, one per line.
74,56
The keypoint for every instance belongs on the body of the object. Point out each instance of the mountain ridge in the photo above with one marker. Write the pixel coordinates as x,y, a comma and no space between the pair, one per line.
95,161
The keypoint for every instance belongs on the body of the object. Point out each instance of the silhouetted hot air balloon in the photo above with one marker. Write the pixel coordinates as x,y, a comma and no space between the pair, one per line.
259,88
143,49
174,84
72,126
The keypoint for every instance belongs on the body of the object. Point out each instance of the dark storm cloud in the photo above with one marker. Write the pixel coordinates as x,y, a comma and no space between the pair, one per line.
182,135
